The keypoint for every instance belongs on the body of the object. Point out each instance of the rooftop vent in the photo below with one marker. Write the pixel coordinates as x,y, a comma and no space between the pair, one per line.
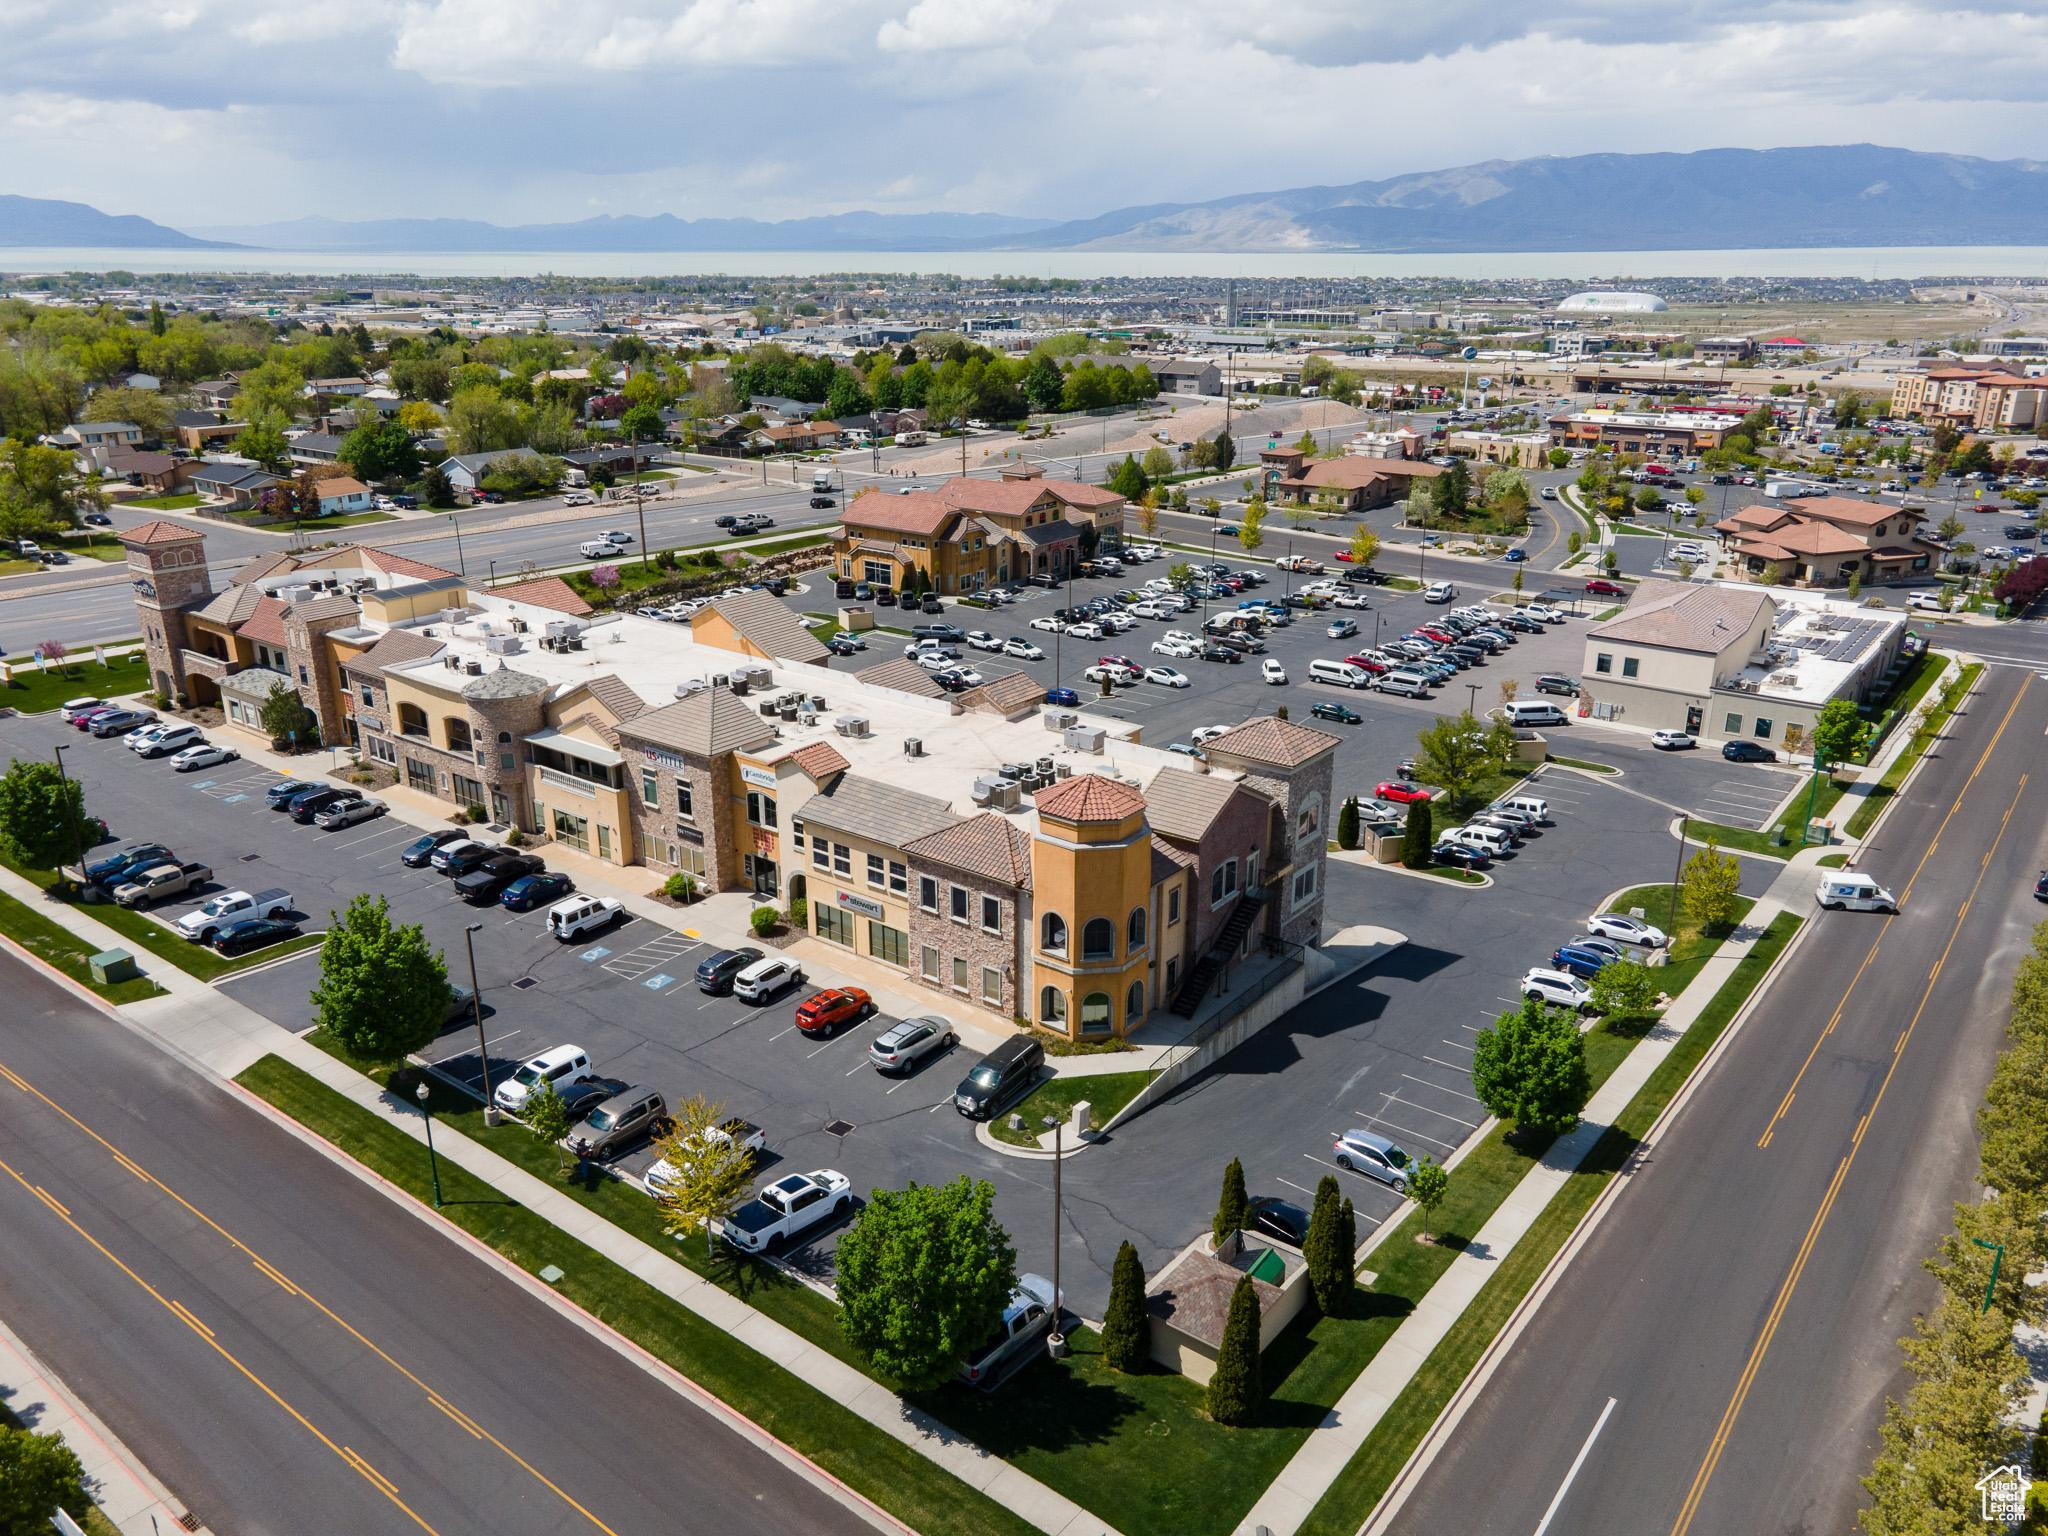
913,746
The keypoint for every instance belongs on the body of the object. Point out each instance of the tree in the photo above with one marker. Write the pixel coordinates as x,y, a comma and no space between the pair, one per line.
1251,526
436,489
417,418
1148,512
482,420
383,991
1124,1327
1428,1182
1839,732
264,441
274,388
1181,574
1127,479
1452,491
42,814
38,1474
924,1274
41,489
709,1170
1453,753
1418,835
1157,463
147,408
1235,1391
1365,546
381,451
1347,823
1223,452
1043,383
1232,1205
1530,1068
1710,885
1329,1261
1507,493
1624,989
547,1119
285,717
1558,458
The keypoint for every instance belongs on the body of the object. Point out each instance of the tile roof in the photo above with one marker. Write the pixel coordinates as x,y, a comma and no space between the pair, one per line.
990,845
707,723
1194,1297
1270,739
1355,470
1166,859
1818,539
394,649
820,760
159,532
764,621
1183,804
903,675
394,564
878,811
1844,509
1010,694
1685,618
265,622
328,605
1089,797
263,565
922,512
545,592
233,606
616,695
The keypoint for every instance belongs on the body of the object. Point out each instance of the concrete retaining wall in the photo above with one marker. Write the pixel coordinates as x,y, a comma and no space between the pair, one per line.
1283,997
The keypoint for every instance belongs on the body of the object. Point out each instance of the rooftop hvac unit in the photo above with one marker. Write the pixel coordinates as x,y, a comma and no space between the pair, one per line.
1007,797
1085,738
452,663
504,645
767,709
1061,771
1045,768
473,668
519,626
740,687
296,592
562,629
984,790
1061,719
1015,770
913,746
807,717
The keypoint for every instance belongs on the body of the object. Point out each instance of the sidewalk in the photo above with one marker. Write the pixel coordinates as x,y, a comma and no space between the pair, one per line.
1287,1501
125,1490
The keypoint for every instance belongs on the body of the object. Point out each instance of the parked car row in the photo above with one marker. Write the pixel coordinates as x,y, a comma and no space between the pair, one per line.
1608,937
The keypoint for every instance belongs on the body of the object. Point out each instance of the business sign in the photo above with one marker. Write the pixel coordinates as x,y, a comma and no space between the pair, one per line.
862,905
760,778
662,759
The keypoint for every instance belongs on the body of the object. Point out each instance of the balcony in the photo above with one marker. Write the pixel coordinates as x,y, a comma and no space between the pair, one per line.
203,664
570,782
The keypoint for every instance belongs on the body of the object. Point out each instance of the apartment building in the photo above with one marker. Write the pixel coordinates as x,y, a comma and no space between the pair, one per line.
1981,399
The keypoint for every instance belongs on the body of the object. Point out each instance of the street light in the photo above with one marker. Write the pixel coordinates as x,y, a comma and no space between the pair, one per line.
1472,698
460,564
77,822
1056,1342
476,1003
433,1163
1997,1258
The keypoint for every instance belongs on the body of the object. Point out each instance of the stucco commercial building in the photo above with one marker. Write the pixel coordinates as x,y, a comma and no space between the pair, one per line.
1821,541
971,534
1648,432
1734,661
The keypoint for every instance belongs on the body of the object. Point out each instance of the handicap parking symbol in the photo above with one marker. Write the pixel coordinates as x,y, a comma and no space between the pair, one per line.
590,955
231,799
656,983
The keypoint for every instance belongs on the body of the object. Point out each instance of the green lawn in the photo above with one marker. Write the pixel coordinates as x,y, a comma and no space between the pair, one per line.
1833,860
783,546
1690,945
850,1449
1629,530
102,548
1584,766
635,573
1864,817
33,691
1362,1483
1106,1094
20,567
52,942
1452,872
351,520
166,503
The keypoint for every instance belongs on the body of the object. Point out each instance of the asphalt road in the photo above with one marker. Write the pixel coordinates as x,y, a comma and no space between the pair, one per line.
153,1222
1740,1305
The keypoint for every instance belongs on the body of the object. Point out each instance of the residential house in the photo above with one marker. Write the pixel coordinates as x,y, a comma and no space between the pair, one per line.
234,484
315,448
341,495
86,436
1186,375
199,430
466,471
157,473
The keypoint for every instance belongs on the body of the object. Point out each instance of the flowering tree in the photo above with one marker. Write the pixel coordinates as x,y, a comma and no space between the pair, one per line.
53,650
604,577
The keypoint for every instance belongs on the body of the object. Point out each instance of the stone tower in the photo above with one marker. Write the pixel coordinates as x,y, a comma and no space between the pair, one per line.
167,563
1294,766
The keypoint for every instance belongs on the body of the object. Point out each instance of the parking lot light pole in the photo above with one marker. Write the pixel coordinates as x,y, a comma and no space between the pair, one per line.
1472,698
77,822
476,1003
460,564
425,1097
1678,871
1056,1342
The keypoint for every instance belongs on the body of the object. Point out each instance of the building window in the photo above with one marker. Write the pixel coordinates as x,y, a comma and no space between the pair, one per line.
1731,725
468,791
992,986
877,870
1052,1007
959,973
889,944
1223,883
1095,1018
1134,935
650,788
760,808
507,763
1629,666
573,830
1134,1004
1305,885
1603,662
302,674
991,915
928,893
1762,729
842,860
928,963
1173,906
1052,933
899,878
796,831
1098,939
419,775
1310,821
821,856
957,895
368,695
834,925
684,800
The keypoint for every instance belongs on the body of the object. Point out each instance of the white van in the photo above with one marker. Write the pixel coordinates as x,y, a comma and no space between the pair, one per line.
560,1067
1846,892
598,549
1535,807
1412,685
1530,712
1343,673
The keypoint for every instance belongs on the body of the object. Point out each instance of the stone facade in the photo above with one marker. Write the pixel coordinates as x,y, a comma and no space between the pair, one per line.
170,575
699,843
497,726
965,957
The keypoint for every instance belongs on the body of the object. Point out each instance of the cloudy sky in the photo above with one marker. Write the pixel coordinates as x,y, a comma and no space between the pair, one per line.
212,112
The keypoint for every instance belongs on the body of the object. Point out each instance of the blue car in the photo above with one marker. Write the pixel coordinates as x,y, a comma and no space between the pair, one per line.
1063,696
1581,962
1516,556
530,891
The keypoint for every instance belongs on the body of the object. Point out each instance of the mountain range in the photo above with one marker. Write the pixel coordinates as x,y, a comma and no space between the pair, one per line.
1717,199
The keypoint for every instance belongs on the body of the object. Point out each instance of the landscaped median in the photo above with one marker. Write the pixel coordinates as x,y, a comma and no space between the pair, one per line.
848,1447
34,690
1371,1471
49,941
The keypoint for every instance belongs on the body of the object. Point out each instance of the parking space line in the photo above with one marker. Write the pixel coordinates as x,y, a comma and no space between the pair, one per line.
1440,1088
1395,1098
1292,1185
1419,1136
780,1033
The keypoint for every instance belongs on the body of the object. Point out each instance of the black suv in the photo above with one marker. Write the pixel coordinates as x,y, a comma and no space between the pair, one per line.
486,883
463,860
715,975
310,804
1000,1076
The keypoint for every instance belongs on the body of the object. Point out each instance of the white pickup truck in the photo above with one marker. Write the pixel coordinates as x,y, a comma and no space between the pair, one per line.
787,1209
202,923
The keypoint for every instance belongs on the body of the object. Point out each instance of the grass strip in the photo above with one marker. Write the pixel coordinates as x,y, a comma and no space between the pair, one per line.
1452,872
33,690
851,1449
52,942
1691,945
1365,1479
165,503
1584,766
1107,1093
1864,817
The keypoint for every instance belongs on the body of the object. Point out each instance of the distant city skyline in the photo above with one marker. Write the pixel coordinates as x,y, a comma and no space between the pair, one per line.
215,112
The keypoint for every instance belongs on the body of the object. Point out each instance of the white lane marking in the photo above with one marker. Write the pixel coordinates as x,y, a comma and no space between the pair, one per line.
1578,1461
780,1033
1440,1088
1402,1130
1292,1185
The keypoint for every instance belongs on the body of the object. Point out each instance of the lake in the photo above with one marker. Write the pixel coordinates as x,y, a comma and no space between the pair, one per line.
1612,266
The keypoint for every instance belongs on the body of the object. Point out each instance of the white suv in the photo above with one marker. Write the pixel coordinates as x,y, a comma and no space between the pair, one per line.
1559,987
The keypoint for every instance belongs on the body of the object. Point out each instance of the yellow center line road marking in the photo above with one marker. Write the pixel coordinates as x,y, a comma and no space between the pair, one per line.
50,1200
383,1484
201,1331
1770,1328
281,1279
1875,944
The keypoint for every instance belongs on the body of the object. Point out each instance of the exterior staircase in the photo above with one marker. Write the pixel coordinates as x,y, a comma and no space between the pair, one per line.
1195,985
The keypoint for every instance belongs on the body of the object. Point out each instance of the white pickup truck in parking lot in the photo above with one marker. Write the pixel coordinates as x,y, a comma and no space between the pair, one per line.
787,1209
202,923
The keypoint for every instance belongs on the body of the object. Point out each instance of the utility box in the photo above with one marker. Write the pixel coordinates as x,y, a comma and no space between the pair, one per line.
112,965
856,621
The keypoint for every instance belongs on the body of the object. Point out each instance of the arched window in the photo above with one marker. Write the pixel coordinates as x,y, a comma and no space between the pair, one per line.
1134,936
1052,933
1095,1014
1134,1005
412,721
1098,939
1052,1007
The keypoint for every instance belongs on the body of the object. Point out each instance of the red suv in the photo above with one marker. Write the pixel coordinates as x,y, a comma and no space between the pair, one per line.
1600,586
828,1012
1371,664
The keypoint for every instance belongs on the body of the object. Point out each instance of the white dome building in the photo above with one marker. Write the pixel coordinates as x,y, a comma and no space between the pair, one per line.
1612,303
